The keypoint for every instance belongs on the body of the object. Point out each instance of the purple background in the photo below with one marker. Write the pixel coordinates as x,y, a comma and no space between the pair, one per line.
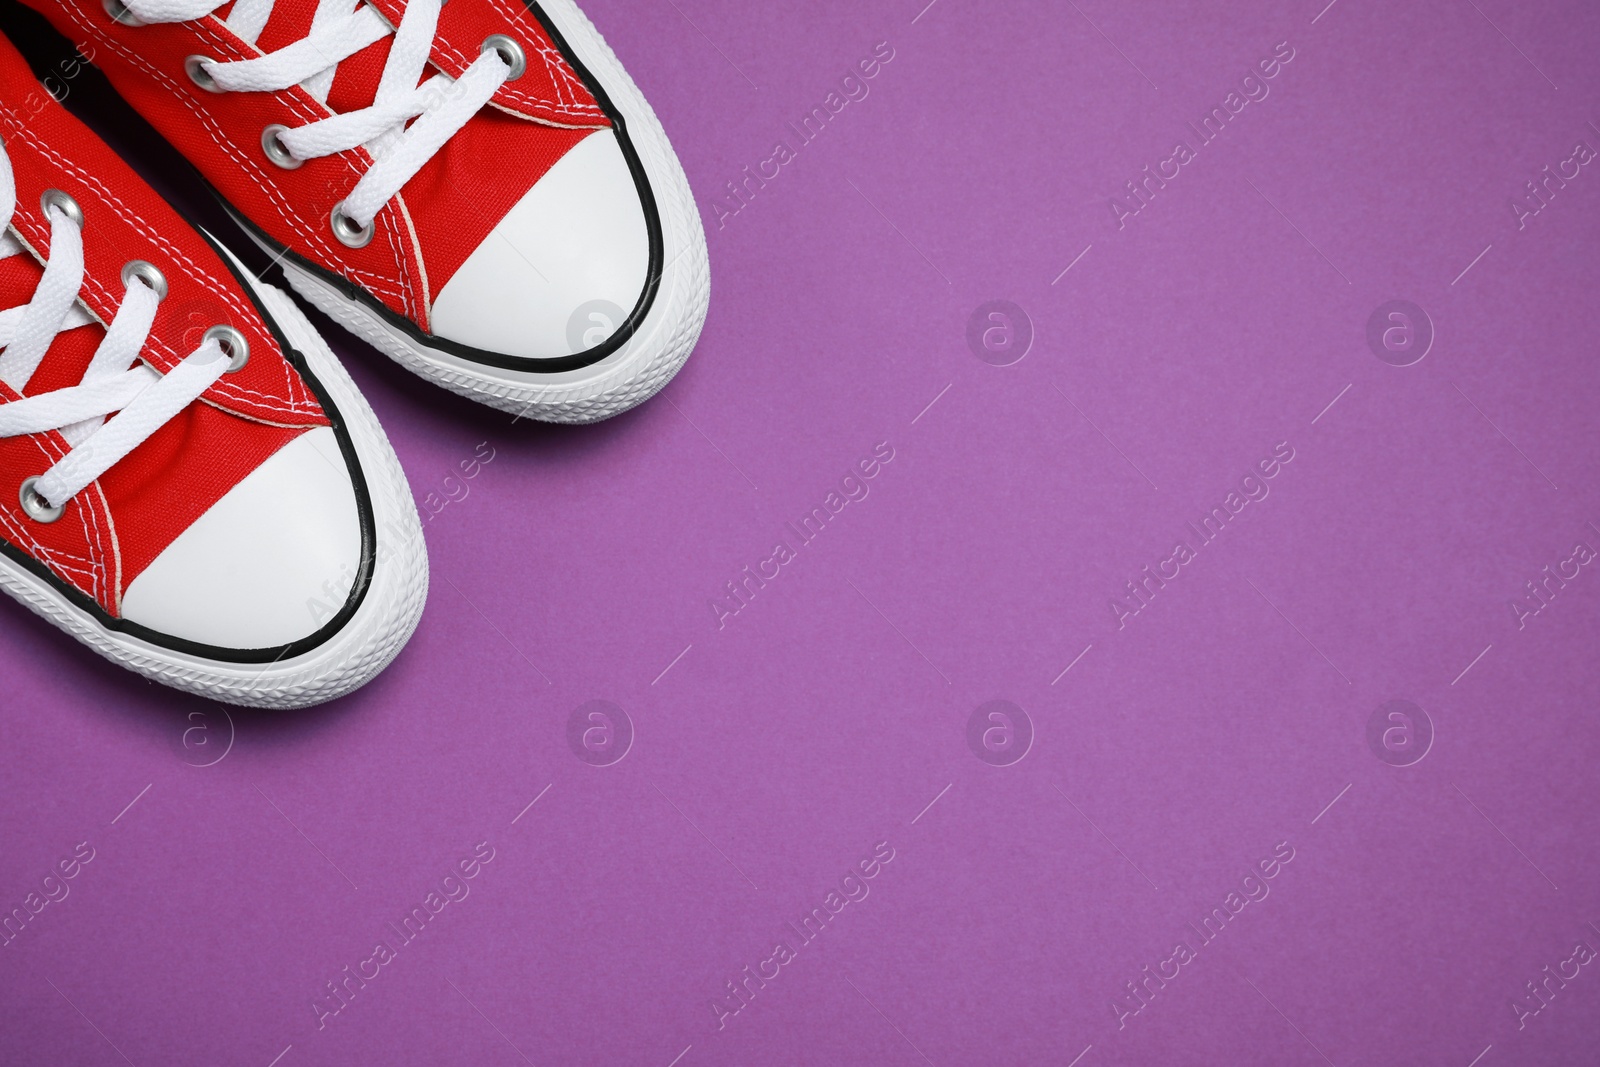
825,717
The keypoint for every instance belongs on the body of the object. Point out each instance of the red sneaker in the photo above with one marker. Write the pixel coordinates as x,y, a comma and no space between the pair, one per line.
196,490
480,191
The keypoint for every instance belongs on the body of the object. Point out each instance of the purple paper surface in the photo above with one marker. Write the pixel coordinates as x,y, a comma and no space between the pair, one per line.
1373,675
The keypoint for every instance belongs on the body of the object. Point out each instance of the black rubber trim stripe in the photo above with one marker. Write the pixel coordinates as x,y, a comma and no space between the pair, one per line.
524,364
358,591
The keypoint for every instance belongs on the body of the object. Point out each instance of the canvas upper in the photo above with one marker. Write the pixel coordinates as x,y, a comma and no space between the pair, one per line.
216,531
524,238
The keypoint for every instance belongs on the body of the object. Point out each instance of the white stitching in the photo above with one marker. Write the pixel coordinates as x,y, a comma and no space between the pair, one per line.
296,405
310,234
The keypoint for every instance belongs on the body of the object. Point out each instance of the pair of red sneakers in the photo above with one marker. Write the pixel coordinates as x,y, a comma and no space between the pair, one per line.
190,484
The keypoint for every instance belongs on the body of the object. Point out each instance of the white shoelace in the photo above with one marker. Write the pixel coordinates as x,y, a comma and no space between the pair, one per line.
441,105
115,380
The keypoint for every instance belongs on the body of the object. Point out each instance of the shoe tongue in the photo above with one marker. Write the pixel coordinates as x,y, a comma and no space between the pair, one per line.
69,354
355,84
18,276
289,22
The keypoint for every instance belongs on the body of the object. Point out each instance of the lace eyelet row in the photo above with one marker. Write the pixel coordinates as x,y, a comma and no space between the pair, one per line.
344,228
234,345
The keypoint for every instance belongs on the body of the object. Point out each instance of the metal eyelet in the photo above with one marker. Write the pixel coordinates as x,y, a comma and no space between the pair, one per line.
193,66
147,273
232,343
35,506
119,13
55,198
510,51
274,147
346,230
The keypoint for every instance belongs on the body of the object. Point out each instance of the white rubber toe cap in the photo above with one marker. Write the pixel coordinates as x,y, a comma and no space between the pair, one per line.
269,564
562,270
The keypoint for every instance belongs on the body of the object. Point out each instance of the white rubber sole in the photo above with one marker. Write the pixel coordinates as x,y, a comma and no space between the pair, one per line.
664,339
366,644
